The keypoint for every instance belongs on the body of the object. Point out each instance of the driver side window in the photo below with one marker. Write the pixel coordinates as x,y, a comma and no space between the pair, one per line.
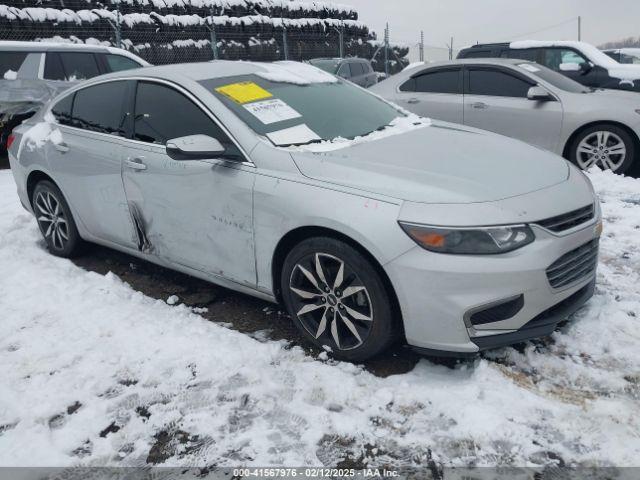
162,113
554,57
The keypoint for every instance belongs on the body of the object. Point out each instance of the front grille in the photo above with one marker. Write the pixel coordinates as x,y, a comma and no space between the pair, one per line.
568,220
574,266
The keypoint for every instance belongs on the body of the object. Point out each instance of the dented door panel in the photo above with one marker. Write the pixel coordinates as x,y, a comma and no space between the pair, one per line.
195,213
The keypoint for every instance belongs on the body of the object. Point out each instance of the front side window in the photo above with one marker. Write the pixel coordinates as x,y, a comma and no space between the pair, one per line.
10,63
289,114
357,69
117,63
496,83
162,113
79,66
439,81
345,71
100,108
530,54
554,57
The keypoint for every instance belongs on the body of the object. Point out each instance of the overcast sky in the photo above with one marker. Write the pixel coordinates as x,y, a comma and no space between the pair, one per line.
471,21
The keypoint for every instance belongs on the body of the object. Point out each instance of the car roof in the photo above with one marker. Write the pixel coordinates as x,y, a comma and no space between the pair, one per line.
487,45
475,61
197,71
47,46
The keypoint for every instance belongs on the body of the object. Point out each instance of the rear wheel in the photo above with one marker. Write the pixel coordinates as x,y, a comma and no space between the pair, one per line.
55,220
607,146
337,299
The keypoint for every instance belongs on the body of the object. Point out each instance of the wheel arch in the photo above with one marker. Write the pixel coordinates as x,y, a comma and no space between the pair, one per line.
35,177
566,153
297,235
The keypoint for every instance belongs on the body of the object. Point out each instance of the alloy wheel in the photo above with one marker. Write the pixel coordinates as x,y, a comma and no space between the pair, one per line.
51,219
602,148
331,301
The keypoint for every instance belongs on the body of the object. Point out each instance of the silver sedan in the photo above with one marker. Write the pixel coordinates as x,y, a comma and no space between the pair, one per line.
529,102
279,180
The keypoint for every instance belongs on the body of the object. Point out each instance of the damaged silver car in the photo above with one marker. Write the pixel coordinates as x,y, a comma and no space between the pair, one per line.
284,182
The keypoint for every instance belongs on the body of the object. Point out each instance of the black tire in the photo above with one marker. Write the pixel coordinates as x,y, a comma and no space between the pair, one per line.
338,304
604,158
46,196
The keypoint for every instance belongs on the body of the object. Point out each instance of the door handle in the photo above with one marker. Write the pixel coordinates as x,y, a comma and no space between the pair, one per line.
479,106
413,101
62,147
135,164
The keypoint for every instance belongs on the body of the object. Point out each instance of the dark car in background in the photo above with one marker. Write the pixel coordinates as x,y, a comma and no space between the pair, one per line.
579,61
356,70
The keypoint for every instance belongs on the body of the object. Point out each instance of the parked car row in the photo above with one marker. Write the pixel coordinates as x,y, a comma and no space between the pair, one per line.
527,101
369,223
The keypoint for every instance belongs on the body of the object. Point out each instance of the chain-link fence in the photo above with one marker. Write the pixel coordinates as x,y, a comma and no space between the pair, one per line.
177,31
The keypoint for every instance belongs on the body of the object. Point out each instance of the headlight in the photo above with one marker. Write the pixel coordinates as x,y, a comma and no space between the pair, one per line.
470,241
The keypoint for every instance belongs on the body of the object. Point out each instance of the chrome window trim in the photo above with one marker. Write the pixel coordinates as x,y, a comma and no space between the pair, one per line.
248,162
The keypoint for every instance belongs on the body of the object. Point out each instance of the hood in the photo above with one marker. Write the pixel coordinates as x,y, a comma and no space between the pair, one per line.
443,163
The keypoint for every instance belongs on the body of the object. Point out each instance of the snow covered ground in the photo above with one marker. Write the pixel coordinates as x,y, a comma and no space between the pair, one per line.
95,373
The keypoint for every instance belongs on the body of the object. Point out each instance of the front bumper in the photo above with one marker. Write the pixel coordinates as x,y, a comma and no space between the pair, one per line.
437,293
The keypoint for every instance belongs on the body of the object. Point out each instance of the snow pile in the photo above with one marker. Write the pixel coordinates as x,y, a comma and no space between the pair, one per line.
296,73
628,74
95,373
41,133
397,126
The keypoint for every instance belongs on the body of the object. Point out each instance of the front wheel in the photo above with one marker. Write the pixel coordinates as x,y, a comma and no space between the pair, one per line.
337,299
55,220
607,146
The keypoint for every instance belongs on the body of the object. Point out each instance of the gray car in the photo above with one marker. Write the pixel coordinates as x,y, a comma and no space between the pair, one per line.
356,70
529,102
286,183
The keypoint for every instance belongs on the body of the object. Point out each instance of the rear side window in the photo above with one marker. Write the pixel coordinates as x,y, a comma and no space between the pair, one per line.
100,108
440,81
62,110
10,63
528,54
117,63
162,113
357,69
475,53
53,69
79,66
496,83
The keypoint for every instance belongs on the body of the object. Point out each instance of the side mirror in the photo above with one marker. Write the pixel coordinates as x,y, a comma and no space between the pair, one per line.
194,147
539,94
586,67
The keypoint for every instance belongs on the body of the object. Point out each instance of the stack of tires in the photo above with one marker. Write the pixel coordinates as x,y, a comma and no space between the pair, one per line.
175,31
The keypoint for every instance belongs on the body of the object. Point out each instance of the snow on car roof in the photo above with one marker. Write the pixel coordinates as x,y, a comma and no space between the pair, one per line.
66,45
626,73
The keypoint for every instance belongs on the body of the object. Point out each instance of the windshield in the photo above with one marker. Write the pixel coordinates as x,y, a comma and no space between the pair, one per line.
328,65
554,78
291,114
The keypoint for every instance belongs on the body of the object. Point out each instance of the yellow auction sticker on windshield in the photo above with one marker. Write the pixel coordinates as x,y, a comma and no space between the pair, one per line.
244,92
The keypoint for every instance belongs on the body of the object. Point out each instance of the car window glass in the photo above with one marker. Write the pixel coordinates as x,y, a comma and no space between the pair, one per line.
53,69
117,63
554,57
162,113
99,108
10,63
478,54
79,66
441,81
357,69
345,71
62,110
496,83
524,54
